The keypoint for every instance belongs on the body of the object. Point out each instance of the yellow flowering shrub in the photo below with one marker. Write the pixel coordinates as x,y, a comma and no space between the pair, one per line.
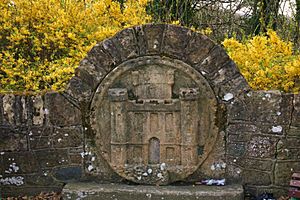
42,41
267,62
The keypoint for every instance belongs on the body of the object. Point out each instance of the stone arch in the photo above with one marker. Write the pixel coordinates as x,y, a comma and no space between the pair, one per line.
171,41
192,53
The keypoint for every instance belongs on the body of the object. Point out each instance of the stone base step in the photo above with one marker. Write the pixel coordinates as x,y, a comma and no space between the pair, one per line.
96,191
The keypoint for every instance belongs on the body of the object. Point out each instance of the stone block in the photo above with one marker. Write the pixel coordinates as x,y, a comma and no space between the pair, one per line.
67,137
153,36
232,89
269,107
41,179
89,73
40,131
61,112
296,113
38,112
79,90
100,58
255,191
213,61
288,149
40,142
28,190
283,171
14,110
126,42
8,103
252,163
254,177
111,49
141,40
1,110
293,131
50,158
12,140
21,110
67,174
76,155
175,41
228,71
198,48
236,149
94,191
20,162
240,132
262,147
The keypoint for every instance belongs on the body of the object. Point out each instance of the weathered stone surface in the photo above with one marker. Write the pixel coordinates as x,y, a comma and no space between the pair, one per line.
38,114
90,73
181,92
1,110
214,60
270,107
68,174
126,42
262,147
198,48
252,164
20,110
19,163
125,192
99,58
283,171
141,40
80,91
110,47
253,177
77,155
296,113
153,36
50,158
231,89
12,140
241,131
40,131
226,73
40,142
67,137
8,109
255,191
151,117
293,131
41,179
236,149
61,112
215,164
175,41
16,191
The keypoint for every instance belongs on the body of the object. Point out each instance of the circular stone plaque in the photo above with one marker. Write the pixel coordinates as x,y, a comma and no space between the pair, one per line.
154,120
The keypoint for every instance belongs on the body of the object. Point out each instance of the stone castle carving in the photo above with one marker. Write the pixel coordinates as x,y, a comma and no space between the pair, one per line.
156,127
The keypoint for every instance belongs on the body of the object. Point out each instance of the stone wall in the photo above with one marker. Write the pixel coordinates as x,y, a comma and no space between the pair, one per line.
263,140
41,143
47,140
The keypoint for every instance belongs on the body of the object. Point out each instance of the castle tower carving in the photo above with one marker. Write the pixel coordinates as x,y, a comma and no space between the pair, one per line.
155,127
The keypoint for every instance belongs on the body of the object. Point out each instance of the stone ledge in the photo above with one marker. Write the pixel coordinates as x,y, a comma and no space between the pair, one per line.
95,191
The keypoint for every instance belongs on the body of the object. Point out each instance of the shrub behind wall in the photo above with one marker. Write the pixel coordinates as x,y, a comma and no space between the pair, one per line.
42,41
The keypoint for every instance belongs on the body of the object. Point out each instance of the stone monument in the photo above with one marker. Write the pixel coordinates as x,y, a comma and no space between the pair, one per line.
154,119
